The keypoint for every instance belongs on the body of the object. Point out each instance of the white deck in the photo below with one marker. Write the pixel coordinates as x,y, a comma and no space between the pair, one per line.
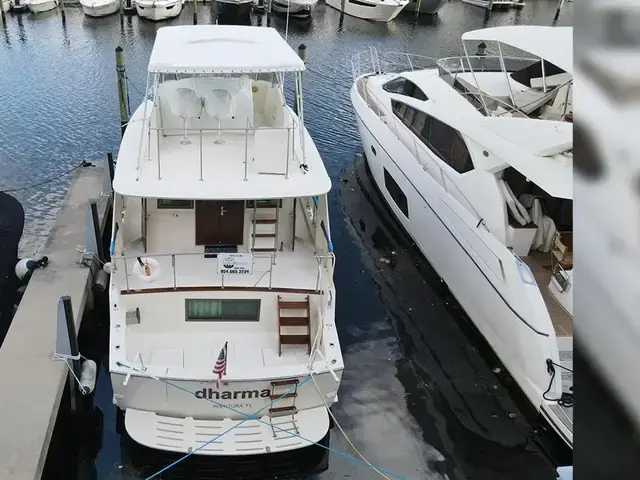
221,175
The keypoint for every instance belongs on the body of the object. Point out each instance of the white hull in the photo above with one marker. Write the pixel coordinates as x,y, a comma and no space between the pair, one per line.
207,411
159,10
39,7
374,10
441,228
489,5
295,7
5,5
100,9
430,7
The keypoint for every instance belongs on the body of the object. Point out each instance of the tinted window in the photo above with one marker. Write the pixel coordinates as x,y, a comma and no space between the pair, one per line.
396,193
224,310
402,86
443,140
173,203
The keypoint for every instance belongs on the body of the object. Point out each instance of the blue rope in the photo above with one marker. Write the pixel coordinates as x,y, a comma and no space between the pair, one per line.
253,417
249,417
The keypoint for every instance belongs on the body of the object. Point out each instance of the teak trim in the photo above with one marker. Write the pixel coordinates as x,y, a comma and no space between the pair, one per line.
219,288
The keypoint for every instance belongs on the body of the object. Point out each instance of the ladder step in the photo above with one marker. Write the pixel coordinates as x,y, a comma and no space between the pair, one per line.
263,235
282,383
293,304
271,250
277,411
265,221
294,321
295,339
288,395
289,408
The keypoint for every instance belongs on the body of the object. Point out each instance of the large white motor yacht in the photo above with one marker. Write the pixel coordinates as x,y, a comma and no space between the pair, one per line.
473,154
222,300
376,10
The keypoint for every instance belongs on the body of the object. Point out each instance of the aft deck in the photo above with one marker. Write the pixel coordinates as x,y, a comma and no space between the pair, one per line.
540,265
299,270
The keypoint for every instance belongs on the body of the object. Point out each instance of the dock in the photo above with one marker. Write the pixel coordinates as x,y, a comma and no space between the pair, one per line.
31,383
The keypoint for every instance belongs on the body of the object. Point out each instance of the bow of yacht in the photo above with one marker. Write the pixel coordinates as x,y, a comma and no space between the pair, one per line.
222,296
473,155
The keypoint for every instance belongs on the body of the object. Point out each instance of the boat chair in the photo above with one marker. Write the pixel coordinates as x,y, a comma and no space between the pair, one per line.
184,103
219,104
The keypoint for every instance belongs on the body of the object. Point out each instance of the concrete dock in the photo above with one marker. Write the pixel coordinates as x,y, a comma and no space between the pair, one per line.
31,383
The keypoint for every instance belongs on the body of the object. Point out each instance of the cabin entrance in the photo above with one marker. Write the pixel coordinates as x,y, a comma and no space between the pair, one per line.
219,222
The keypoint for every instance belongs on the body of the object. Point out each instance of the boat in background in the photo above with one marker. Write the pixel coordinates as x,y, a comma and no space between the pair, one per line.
376,10
297,8
430,7
474,156
100,8
495,4
236,8
221,256
39,6
157,10
18,5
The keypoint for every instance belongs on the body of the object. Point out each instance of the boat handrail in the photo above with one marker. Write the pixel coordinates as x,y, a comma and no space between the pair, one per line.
171,262
248,131
392,62
450,67
382,112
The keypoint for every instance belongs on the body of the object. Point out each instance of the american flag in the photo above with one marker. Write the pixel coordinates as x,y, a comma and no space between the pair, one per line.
221,365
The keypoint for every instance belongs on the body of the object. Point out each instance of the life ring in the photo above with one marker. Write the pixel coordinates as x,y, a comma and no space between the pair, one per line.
149,271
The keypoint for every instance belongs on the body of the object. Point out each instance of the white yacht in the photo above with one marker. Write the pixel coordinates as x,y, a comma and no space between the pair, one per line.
222,300
473,154
100,8
39,6
159,9
298,8
376,10
430,7
235,8
495,4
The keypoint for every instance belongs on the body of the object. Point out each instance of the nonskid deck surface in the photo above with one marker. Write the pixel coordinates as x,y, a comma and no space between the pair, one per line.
540,265
565,414
198,352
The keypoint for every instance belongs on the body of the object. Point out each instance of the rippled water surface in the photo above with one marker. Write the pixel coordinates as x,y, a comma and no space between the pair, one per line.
420,396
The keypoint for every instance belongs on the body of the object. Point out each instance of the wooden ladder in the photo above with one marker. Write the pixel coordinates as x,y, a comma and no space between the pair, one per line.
300,320
271,234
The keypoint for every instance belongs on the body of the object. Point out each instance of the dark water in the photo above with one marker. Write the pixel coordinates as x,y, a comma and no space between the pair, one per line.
419,393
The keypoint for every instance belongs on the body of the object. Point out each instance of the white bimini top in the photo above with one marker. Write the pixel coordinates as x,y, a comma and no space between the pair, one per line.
220,49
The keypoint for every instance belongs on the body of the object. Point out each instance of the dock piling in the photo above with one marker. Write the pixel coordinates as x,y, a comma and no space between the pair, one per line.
122,89
558,8
76,365
96,231
63,13
195,12
302,53
418,5
3,15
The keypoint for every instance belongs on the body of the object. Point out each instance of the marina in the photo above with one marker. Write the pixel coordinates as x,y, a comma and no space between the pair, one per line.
407,359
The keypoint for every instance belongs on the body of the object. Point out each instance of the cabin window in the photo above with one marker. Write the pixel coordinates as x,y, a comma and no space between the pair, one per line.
270,203
402,86
396,193
171,203
446,142
222,310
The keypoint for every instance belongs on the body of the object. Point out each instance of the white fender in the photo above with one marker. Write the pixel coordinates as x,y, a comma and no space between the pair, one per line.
549,233
515,207
154,269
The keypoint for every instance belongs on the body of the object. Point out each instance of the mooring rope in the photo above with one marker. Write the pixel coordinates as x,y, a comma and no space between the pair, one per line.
252,417
84,163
